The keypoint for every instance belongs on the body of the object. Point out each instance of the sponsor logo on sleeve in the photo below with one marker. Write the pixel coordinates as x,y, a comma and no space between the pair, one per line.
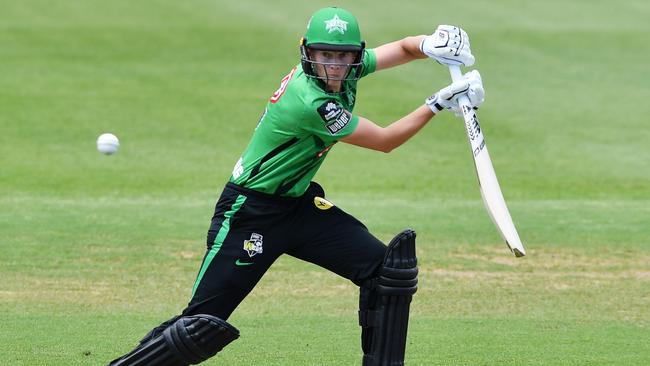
334,115
339,123
330,110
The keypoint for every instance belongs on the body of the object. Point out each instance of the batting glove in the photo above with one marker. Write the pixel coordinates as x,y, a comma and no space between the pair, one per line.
470,85
448,45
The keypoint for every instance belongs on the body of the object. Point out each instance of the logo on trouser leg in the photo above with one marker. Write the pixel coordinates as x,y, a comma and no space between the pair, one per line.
253,245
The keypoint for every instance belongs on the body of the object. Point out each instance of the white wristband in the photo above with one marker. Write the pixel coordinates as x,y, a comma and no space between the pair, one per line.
432,103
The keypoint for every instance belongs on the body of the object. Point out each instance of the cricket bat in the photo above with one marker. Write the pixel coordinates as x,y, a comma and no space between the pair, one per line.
487,179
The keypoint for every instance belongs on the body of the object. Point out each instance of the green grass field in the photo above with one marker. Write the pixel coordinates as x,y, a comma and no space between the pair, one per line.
96,250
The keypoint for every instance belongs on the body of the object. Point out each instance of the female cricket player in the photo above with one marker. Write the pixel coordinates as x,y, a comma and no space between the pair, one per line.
270,206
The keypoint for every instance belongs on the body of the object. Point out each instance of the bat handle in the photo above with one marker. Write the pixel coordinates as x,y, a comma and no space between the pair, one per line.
455,72
456,75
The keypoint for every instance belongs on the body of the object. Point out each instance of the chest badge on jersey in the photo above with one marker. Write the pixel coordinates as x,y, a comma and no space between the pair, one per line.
322,204
334,115
253,245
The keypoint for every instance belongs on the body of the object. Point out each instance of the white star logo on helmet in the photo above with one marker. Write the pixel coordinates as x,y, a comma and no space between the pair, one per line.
336,24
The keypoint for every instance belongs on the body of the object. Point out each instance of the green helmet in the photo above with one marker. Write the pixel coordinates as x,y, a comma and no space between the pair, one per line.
332,29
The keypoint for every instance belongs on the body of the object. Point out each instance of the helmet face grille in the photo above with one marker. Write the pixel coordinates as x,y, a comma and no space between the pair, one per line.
309,65
350,75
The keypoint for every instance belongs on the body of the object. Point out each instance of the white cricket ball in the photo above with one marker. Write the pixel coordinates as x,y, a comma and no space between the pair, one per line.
107,143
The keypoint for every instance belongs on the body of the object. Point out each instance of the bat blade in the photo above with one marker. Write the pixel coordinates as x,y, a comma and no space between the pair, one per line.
493,199
495,204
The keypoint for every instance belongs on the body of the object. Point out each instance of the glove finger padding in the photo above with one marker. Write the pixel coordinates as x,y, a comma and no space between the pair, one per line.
470,85
476,93
449,45
450,93
455,33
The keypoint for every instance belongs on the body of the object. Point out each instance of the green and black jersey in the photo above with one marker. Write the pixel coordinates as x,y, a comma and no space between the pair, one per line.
300,125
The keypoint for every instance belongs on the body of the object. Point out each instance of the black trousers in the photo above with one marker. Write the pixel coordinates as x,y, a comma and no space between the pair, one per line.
250,230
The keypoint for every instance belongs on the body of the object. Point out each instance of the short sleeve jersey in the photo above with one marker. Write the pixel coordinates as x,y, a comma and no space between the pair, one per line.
299,126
